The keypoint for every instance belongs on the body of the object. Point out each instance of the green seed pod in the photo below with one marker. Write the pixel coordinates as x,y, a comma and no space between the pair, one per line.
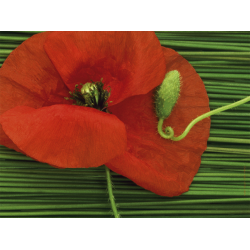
88,88
167,94
91,90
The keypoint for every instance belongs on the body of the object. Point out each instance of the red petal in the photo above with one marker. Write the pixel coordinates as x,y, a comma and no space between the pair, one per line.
29,78
131,63
66,136
163,166
6,141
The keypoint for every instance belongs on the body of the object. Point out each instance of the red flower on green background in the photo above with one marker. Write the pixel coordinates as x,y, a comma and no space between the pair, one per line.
38,121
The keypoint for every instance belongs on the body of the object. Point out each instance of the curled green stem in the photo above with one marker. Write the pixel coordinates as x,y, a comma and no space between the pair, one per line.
111,196
169,132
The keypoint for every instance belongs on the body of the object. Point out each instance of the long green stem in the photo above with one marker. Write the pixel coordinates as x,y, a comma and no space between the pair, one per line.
169,132
111,196
202,45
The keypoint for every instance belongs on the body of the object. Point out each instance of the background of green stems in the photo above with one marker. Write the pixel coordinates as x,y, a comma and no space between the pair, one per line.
221,188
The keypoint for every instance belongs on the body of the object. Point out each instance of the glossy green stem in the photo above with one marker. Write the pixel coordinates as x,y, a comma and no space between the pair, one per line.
111,196
169,132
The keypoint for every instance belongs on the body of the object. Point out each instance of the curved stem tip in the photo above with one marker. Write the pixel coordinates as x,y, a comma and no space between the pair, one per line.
169,132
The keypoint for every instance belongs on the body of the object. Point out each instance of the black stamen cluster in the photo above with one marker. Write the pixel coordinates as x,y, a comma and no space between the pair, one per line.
90,95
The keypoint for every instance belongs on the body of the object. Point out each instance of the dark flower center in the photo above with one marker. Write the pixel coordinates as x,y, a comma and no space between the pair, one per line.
90,95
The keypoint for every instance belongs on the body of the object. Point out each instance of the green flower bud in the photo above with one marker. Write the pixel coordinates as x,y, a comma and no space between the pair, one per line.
167,94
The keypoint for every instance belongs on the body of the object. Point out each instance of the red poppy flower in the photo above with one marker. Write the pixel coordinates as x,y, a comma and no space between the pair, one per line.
37,120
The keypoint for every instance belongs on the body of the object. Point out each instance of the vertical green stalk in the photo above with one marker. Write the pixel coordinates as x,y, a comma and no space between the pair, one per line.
111,196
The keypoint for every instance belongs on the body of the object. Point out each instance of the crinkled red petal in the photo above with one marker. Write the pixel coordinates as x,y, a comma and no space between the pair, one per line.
66,136
130,63
27,77
163,166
